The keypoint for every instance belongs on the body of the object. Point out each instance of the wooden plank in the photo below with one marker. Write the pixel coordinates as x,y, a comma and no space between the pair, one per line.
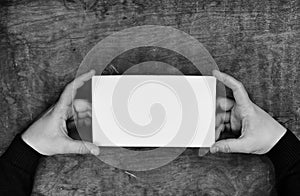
43,42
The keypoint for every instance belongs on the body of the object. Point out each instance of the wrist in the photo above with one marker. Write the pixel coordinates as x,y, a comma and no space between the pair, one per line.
278,132
27,139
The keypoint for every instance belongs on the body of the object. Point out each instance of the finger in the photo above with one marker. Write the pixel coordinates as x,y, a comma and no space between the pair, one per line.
84,121
69,93
239,92
87,121
82,105
222,118
84,114
81,108
219,130
81,147
227,126
228,146
236,125
202,151
224,103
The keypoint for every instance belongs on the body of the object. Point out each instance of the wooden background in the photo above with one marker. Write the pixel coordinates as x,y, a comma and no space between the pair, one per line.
43,42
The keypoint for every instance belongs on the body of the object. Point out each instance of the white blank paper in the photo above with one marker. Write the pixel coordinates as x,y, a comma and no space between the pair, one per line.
153,100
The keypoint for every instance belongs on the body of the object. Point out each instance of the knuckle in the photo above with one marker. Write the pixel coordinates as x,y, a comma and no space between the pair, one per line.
69,86
80,150
227,148
225,79
239,85
251,109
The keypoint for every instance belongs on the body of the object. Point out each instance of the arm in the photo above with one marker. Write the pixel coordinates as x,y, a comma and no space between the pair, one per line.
47,136
259,133
17,168
285,156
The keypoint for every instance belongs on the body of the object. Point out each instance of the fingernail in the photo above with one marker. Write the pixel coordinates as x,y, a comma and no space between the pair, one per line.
213,150
93,72
216,149
216,72
95,152
213,72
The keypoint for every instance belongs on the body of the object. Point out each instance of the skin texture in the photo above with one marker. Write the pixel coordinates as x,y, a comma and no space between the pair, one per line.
258,131
49,134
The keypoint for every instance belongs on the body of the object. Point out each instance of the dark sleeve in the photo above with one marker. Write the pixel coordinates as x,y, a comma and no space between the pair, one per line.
17,168
285,156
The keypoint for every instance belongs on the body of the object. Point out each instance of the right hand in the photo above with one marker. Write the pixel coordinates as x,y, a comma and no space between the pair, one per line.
259,132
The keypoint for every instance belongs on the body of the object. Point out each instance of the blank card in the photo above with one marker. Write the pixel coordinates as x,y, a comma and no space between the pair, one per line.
153,110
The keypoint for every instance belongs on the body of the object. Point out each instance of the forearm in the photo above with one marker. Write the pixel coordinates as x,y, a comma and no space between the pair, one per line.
285,156
18,165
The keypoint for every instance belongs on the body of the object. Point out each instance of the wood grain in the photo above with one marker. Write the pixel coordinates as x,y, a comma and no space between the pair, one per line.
43,42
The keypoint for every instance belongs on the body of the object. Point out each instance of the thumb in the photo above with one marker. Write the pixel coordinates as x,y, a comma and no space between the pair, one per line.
81,147
228,145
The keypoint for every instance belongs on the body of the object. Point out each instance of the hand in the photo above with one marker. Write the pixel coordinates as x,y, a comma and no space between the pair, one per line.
49,135
259,132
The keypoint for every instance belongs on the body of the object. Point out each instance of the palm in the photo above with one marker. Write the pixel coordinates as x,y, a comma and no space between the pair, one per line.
49,134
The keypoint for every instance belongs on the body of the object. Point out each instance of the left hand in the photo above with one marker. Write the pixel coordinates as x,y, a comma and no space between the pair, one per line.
258,131
49,135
